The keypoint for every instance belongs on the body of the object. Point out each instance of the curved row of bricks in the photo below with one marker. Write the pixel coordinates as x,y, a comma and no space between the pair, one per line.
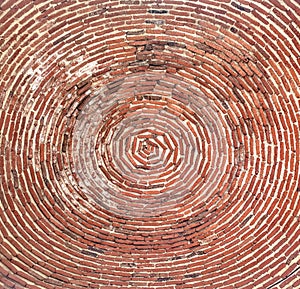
83,206
187,158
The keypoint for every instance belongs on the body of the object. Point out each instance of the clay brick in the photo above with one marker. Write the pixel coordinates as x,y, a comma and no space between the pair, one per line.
214,90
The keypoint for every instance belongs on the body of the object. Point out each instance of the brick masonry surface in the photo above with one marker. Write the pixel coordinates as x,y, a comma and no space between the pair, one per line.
149,144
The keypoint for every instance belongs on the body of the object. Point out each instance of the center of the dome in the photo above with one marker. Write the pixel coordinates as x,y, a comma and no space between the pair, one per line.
147,150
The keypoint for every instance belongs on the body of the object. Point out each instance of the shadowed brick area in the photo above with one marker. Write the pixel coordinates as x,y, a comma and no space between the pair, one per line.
149,144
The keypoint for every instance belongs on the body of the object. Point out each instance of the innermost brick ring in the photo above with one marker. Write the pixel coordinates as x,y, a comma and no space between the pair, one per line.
148,144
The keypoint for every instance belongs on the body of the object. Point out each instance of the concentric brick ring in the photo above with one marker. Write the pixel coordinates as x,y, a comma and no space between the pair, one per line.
147,145
93,195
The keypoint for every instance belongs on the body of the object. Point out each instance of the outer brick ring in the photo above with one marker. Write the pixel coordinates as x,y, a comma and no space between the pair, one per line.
149,144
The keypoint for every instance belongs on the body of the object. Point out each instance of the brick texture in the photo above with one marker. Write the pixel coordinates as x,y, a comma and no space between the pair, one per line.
149,144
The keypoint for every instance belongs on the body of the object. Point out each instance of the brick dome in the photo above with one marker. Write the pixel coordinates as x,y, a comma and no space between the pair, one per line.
149,144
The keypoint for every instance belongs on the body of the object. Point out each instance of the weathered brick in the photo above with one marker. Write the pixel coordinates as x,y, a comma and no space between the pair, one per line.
134,135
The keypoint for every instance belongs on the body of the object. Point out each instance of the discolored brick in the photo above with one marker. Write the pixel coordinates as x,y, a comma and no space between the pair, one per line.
147,144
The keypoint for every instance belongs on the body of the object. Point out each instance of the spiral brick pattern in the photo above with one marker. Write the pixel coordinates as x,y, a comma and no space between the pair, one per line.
149,144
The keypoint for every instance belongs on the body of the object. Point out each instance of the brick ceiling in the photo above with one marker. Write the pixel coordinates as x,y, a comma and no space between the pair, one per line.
149,144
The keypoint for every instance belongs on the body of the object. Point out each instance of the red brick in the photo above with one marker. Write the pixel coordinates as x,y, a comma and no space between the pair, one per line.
248,83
